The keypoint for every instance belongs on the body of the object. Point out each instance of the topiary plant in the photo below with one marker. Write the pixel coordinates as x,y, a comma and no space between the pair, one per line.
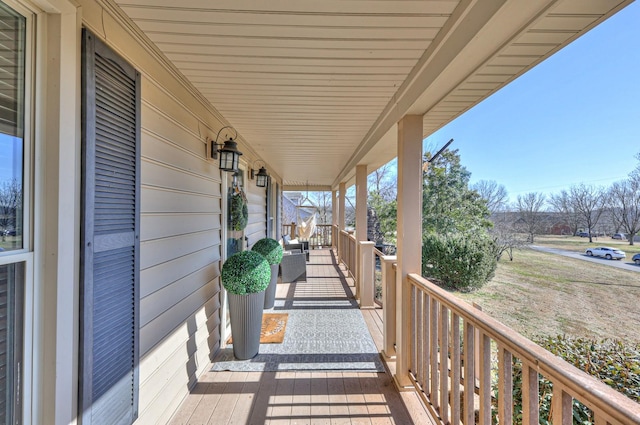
269,249
246,272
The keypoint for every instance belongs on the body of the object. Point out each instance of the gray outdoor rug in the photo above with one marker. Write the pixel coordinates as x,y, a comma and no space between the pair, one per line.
327,336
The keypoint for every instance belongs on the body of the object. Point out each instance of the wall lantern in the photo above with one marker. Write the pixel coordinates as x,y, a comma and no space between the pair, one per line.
260,175
229,153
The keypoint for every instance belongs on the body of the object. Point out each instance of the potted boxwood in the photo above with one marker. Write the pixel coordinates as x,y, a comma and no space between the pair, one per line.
245,275
271,250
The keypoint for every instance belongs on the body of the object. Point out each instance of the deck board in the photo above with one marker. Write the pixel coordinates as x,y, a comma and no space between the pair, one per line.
306,397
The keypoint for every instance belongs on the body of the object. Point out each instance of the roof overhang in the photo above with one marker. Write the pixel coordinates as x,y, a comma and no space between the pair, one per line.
316,88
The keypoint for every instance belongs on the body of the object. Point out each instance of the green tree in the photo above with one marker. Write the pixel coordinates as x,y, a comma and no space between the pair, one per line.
448,204
386,212
459,261
382,200
457,250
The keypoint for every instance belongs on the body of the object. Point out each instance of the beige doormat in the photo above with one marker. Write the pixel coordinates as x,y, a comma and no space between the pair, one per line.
273,327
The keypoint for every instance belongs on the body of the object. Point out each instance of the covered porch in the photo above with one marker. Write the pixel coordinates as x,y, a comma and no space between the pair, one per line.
455,350
317,94
309,394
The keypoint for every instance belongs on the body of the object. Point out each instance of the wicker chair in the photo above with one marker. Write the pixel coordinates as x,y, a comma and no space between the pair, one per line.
293,266
302,246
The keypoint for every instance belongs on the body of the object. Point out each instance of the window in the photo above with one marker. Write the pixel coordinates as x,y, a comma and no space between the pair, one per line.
12,80
13,261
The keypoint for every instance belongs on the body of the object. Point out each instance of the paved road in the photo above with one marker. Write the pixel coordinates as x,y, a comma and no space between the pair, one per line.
625,264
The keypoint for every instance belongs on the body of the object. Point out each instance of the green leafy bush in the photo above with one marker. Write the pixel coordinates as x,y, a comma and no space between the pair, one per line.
246,272
615,363
459,261
269,249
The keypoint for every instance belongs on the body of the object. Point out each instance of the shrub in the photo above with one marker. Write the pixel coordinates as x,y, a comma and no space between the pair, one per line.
613,362
245,272
459,261
269,249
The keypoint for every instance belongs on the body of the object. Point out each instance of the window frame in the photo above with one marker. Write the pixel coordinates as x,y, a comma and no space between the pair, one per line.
24,294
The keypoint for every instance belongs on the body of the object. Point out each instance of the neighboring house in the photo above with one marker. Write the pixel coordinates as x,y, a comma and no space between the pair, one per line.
292,211
113,304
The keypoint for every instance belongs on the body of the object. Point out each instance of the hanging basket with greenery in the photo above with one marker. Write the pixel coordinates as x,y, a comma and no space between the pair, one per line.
238,211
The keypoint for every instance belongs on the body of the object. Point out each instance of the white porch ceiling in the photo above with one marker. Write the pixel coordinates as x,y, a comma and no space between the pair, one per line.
316,87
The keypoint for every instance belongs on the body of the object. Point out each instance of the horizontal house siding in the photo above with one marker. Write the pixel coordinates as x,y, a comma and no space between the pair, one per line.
257,205
180,254
181,217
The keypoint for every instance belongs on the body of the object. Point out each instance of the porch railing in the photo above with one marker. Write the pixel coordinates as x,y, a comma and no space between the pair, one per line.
457,350
377,276
347,251
322,237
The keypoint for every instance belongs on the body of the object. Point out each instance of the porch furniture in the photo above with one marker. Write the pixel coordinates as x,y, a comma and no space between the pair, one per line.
293,266
302,246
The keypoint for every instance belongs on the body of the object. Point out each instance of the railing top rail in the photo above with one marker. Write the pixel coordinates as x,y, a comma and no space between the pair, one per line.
590,391
377,252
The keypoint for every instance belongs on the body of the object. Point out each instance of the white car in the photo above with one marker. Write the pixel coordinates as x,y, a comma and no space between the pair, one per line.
606,252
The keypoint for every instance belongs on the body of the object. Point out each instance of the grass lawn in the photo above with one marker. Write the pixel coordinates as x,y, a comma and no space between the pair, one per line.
10,242
575,243
545,294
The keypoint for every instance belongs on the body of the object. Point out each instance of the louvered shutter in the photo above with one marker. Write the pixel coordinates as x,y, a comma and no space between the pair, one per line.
11,300
110,236
12,29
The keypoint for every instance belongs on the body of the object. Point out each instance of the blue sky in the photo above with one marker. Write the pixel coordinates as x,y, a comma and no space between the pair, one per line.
575,118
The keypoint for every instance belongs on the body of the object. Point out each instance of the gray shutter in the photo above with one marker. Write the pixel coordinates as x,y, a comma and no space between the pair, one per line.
110,236
268,210
12,30
278,212
11,300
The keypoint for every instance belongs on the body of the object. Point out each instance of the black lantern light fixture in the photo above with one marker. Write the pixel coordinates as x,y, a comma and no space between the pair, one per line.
229,153
260,175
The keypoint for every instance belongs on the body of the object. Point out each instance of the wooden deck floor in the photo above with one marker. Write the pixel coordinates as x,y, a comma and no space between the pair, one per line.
305,397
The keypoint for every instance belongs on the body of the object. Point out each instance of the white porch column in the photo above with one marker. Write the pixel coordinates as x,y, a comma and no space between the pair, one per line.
409,234
365,272
334,219
342,189
390,305
361,221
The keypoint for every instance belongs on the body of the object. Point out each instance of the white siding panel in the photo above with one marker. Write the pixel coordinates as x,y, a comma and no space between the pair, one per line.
157,277
155,226
164,404
170,201
166,130
160,150
169,106
257,204
152,361
155,304
173,361
158,329
162,250
167,177
162,397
